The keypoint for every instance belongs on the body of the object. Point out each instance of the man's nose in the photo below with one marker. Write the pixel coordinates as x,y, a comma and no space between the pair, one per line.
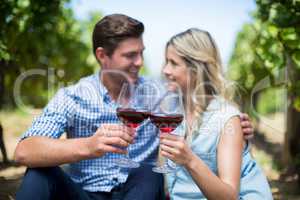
138,61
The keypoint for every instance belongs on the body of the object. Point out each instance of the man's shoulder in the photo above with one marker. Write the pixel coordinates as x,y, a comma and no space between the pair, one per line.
84,88
87,81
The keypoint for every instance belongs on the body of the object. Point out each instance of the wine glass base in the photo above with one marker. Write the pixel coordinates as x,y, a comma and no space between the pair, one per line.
127,163
165,169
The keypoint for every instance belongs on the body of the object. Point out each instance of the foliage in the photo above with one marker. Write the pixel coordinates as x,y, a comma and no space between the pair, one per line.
262,47
267,56
284,16
271,101
38,34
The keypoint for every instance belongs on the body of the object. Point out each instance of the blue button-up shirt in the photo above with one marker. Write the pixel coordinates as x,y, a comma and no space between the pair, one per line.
79,110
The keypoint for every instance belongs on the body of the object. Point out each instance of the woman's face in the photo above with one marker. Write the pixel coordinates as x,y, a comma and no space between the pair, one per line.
176,70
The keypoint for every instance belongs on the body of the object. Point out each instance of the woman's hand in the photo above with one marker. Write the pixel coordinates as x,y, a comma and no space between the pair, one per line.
175,148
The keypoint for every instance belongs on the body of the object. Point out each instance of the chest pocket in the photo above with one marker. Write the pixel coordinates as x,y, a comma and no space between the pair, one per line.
83,127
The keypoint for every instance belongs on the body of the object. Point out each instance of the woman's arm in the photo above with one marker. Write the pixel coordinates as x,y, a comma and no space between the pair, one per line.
229,155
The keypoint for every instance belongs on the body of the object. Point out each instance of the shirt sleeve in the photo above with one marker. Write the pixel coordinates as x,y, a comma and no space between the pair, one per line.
226,112
53,120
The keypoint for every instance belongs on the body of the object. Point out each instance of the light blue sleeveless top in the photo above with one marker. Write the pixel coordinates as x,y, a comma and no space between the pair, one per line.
253,184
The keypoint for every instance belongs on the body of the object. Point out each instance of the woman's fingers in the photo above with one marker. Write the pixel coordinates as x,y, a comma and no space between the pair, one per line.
170,137
169,149
170,142
167,155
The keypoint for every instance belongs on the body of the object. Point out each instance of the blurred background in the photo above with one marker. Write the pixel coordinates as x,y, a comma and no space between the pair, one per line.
45,45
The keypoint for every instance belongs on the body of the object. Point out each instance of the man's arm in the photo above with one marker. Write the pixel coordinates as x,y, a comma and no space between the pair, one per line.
40,151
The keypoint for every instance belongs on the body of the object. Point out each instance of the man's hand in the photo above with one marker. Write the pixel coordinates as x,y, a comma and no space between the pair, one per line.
247,127
109,138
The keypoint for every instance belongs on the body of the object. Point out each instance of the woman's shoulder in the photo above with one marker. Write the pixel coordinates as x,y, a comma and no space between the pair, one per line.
223,107
217,114
213,121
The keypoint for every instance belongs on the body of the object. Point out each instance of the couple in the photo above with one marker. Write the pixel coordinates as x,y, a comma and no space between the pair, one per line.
215,164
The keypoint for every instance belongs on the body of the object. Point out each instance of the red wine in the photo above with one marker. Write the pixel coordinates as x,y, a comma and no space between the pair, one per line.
166,123
131,117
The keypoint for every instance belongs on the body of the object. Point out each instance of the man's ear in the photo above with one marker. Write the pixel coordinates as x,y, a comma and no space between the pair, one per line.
100,55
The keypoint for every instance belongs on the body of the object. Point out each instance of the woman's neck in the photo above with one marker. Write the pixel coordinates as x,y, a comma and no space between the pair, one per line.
191,115
189,112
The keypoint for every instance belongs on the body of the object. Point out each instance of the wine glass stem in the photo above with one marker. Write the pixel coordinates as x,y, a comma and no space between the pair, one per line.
162,161
127,148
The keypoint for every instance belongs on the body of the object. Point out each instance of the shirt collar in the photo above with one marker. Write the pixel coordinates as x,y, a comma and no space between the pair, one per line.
103,90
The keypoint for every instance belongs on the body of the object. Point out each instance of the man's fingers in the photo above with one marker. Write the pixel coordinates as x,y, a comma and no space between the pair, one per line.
112,149
246,124
123,135
117,127
248,136
116,133
126,136
244,116
116,141
248,131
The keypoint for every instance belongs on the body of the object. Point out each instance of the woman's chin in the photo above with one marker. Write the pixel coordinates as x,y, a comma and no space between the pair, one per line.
173,86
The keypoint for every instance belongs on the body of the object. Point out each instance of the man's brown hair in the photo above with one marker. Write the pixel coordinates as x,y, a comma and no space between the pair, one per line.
113,29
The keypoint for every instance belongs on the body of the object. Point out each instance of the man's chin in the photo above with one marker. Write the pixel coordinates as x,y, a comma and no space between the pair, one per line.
133,79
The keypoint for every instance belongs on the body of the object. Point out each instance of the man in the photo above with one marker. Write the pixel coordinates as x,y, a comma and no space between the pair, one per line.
86,112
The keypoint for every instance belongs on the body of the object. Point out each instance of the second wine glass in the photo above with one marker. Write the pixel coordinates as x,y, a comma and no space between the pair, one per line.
168,117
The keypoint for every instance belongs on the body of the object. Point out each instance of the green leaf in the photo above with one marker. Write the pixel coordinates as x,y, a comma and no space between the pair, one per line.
289,34
296,58
273,30
292,44
297,104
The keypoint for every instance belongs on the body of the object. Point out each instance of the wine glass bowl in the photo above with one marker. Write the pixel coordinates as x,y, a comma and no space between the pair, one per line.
166,123
131,117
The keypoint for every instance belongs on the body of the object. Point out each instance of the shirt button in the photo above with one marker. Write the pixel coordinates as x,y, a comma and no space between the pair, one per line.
115,180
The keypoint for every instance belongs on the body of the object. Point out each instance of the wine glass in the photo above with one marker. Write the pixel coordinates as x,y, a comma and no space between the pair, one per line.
168,117
131,112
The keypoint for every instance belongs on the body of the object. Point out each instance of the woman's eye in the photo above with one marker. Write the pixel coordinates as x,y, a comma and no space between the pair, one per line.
174,64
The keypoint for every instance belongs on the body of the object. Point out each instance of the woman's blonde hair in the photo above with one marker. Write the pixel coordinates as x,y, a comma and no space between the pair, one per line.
200,53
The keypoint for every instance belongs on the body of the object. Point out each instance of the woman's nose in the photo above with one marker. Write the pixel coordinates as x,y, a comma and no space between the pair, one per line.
166,70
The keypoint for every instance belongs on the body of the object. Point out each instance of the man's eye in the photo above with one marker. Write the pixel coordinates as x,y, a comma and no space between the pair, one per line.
131,55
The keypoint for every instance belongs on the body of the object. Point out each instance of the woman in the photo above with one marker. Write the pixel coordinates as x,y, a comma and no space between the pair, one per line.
215,160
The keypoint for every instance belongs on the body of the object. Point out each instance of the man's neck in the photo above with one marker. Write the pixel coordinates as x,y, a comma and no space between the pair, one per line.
113,87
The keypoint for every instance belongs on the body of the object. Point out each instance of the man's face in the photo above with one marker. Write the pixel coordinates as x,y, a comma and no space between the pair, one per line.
127,57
